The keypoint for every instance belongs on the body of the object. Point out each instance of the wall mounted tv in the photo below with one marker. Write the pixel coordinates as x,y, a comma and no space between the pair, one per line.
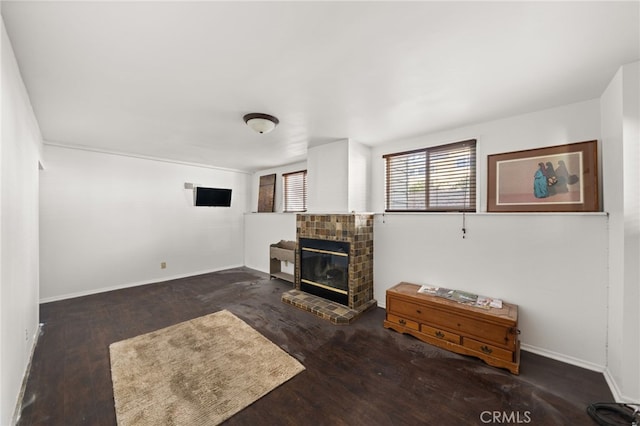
212,197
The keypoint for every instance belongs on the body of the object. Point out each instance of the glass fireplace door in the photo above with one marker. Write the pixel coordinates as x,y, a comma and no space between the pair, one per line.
324,269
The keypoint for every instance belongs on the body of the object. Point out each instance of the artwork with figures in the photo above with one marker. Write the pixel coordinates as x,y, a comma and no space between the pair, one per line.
560,178
548,179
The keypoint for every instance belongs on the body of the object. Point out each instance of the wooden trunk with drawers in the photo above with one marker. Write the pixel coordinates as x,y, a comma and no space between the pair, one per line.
489,334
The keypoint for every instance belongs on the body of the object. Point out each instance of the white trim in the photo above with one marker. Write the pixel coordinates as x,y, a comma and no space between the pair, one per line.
143,157
134,284
258,214
482,213
564,358
259,270
613,386
17,412
615,389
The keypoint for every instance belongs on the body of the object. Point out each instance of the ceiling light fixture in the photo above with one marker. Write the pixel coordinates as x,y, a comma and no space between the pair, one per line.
261,123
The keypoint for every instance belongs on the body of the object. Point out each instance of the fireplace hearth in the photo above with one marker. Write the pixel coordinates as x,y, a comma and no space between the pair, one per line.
334,265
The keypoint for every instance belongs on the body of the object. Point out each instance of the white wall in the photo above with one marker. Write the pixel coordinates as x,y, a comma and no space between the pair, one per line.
554,266
359,177
631,163
569,123
613,198
278,203
264,229
260,231
621,159
338,177
19,157
108,221
337,180
328,178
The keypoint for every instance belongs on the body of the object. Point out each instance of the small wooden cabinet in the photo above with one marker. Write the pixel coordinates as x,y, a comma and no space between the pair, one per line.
284,251
489,334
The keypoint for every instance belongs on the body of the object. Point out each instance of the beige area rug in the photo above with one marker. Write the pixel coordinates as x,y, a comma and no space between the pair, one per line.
199,372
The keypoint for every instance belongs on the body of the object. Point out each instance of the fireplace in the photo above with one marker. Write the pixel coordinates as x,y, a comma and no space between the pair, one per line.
324,269
334,265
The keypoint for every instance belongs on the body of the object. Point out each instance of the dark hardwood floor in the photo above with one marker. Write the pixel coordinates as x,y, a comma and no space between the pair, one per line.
359,374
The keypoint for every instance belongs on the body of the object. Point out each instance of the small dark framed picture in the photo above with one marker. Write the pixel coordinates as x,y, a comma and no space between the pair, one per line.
561,178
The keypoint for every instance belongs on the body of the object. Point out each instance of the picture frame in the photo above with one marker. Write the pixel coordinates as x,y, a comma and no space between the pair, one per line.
562,178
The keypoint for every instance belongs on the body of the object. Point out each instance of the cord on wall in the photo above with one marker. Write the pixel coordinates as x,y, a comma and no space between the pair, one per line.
464,225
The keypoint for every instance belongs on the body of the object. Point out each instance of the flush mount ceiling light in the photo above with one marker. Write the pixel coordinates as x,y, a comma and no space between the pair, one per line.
261,123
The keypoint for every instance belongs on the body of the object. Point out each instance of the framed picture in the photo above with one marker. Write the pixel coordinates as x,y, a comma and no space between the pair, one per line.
561,178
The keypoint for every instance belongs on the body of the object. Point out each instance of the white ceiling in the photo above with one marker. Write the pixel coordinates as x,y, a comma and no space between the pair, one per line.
173,79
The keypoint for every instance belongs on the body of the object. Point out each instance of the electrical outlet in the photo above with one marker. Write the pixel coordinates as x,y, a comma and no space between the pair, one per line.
163,265
26,334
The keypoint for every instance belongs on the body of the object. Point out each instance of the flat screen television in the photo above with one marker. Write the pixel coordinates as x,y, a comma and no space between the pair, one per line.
212,197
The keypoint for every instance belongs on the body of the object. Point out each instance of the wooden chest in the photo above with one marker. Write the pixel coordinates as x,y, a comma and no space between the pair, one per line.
489,334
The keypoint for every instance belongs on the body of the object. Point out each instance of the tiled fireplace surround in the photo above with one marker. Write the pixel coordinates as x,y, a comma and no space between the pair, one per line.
357,230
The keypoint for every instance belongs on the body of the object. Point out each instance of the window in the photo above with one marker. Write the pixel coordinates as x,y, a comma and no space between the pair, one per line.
295,191
440,178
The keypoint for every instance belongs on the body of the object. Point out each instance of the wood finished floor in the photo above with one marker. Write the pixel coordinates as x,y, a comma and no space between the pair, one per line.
358,374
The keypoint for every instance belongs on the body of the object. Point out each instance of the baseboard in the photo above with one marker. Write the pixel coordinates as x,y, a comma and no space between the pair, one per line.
134,284
618,396
563,358
256,268
613,386
555,355
20,403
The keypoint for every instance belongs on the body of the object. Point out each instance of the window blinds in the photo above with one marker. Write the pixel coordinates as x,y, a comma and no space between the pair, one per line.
295,191
441,178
